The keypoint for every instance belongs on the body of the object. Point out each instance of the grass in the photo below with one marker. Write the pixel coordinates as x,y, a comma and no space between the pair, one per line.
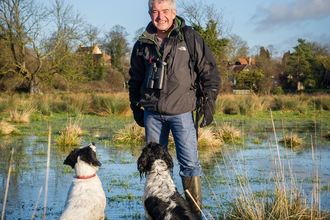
133,133
292,140
23,116
70,136
117,104
7,128
227,131
280,197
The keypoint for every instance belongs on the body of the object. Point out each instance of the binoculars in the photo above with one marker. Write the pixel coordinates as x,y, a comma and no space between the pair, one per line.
156,74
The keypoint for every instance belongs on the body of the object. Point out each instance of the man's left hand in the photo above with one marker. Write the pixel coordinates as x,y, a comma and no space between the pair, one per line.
207,111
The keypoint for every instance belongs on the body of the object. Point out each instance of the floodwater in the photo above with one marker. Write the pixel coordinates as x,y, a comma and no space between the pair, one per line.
121,181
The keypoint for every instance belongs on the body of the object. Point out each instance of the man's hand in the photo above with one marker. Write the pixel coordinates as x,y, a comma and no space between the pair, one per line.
138,114
207,111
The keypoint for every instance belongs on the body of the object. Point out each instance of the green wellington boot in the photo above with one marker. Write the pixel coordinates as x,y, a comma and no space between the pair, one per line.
193,185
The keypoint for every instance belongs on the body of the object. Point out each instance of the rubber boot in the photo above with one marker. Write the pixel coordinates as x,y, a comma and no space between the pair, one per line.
193,185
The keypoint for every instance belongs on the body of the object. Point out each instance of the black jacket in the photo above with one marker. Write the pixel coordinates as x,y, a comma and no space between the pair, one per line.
179,91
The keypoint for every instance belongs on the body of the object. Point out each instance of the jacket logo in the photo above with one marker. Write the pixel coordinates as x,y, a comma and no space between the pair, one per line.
182,48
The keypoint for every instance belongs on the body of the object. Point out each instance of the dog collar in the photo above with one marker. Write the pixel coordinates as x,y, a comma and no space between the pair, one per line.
158,172
85,177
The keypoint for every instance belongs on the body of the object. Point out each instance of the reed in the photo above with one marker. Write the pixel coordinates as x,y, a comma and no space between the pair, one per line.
7,184
280,198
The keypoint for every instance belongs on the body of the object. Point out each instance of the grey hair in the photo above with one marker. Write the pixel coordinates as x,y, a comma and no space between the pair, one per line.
152,2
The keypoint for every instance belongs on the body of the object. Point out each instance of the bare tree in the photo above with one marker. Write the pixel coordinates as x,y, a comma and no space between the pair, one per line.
92,33
236,48
199,13
318,49
23,23
117,46
138,33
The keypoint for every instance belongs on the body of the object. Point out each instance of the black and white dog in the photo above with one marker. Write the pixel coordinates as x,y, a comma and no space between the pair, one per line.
86,197
161,200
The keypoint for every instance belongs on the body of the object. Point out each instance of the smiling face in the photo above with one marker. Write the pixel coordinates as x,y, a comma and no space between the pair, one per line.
162,16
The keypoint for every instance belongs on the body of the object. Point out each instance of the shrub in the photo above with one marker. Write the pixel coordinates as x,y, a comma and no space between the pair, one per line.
277,91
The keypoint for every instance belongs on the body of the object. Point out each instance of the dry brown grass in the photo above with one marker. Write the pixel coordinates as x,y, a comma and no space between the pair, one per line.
207,137
292,140
70,136
228,132
132,133
23,116
110,105
7,128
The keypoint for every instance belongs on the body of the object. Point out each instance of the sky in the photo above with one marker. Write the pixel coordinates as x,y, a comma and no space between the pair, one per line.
259,22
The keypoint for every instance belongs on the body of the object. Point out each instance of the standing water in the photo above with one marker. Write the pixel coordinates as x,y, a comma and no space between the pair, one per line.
255,157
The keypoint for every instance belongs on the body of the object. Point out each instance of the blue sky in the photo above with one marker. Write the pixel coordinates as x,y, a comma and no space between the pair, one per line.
259,22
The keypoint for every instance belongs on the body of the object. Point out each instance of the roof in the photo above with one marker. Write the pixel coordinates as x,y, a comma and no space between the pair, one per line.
242,61
239,68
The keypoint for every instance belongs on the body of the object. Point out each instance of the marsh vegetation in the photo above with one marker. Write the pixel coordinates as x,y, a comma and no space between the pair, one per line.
247,172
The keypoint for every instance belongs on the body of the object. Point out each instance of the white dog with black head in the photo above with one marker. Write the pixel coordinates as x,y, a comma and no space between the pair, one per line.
86,198
161,200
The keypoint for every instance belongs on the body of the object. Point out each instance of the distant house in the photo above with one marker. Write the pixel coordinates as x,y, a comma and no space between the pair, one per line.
97,54
240,65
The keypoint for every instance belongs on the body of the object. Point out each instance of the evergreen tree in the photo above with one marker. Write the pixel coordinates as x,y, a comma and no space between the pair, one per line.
210,36
300,64
264,54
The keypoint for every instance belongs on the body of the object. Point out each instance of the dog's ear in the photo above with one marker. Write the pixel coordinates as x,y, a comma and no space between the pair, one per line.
88,155
143,161
71,159
167,158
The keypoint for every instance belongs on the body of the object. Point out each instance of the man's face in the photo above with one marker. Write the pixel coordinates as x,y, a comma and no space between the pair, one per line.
162,16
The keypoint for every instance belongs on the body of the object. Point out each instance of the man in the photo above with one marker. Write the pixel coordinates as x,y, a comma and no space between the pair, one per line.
169,100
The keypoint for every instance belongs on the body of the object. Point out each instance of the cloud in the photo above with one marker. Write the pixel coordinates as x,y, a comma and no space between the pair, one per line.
288,14
290,42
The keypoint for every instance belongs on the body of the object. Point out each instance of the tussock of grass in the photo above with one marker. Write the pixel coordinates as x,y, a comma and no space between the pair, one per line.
7,128
132,133
70,136
291,140
23,116
322,102
206,137
228,132
110,105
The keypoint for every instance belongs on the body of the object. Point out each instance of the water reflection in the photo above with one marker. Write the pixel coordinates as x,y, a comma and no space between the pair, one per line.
122,183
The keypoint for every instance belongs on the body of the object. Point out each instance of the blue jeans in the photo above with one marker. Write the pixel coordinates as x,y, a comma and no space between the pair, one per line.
157,129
